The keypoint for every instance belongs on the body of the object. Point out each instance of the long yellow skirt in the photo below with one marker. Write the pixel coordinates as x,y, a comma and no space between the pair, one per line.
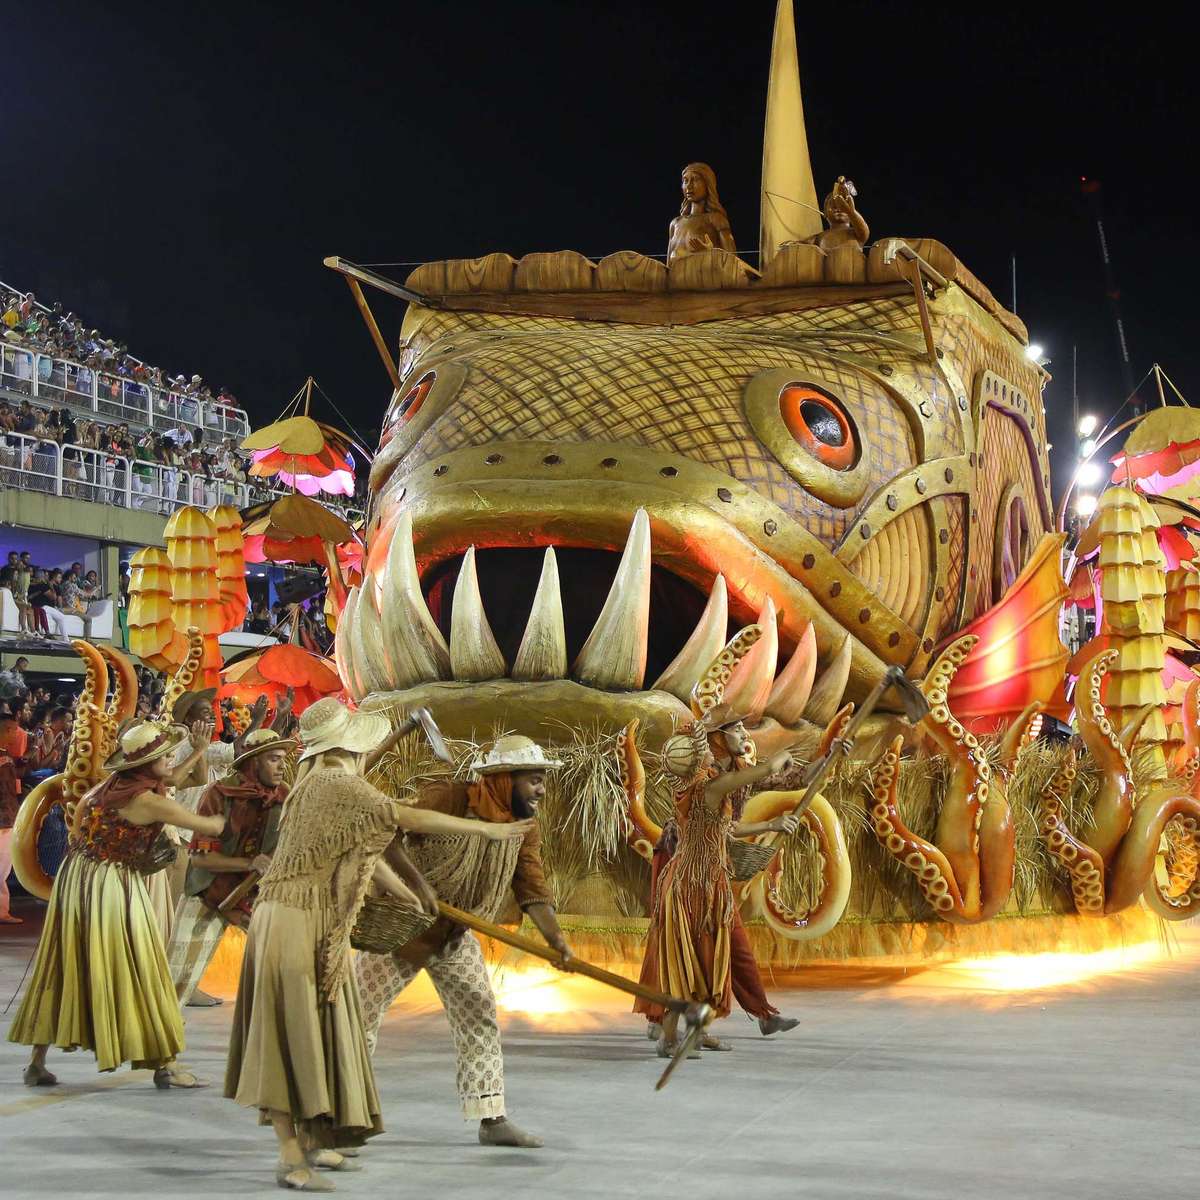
289,1051
100,980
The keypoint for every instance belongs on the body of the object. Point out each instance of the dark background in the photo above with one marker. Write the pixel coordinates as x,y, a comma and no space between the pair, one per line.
176,174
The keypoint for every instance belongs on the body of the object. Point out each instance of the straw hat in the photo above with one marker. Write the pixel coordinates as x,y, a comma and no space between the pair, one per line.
200,696
514,753
141,742
259,742
330,725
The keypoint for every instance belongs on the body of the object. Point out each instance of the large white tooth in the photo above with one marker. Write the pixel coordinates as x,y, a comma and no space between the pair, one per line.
795,683
366,637
343,644
416,650
474,654
614,655
749,686
706,642
826,696
543,650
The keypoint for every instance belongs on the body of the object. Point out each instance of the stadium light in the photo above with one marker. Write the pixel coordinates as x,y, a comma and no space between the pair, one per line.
1087,424
1088,448
1034,352
1088,474
1085,504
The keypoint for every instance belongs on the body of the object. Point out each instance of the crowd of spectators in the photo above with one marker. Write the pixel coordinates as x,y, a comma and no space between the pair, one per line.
95,456
279,619
51,332
43,595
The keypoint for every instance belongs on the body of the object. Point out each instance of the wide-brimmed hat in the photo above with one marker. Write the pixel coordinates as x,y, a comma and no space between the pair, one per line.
330,725
514,753
141,742
259,742
201,695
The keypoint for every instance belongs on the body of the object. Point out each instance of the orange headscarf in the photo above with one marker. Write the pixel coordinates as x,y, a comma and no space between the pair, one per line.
491,798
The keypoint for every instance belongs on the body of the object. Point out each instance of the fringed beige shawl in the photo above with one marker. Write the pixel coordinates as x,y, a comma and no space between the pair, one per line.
336,827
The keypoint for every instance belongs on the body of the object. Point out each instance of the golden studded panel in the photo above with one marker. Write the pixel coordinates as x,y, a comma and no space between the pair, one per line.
679,390
897,565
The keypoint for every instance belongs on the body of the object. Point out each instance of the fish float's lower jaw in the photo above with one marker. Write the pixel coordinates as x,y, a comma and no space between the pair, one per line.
547,710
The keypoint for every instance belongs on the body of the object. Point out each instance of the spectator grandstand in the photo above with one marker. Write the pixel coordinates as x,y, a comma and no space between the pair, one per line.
53,357
82,418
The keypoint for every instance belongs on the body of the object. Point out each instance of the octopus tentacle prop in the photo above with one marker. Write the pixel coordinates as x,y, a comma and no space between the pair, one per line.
642,832
966,873
821,822
833,861
1116,864
185,677
84,769
123,704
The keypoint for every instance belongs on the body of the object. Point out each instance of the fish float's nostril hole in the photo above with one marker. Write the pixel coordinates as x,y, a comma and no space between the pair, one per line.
608,462
668,472
439,471
493,459
552,460
725,494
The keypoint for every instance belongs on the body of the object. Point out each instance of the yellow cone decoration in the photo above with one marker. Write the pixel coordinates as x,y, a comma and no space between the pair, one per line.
1183,602
231,566
1133,586
152,634
195,586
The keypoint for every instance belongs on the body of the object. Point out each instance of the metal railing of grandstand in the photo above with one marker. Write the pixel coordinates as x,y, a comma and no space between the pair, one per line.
84,473
61,382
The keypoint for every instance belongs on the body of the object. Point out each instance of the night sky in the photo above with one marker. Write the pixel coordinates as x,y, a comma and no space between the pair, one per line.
176,174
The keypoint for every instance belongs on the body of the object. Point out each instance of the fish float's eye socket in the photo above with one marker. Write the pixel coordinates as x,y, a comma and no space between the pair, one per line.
819,424
410,403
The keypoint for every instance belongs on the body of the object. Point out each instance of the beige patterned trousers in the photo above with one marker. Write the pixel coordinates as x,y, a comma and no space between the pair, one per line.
461,978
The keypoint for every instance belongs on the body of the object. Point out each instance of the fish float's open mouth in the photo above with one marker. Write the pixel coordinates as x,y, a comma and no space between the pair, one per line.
508,580
571,599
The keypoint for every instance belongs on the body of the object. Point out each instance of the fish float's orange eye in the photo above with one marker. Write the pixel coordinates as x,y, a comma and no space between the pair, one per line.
414,398
819,424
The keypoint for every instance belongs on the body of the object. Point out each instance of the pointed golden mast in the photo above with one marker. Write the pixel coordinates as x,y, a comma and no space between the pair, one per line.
789,196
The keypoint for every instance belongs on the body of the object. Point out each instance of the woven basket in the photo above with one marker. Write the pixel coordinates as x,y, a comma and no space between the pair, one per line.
385,924
746,859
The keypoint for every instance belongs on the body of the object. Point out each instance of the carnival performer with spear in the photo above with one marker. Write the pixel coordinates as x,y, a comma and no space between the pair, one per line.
476,877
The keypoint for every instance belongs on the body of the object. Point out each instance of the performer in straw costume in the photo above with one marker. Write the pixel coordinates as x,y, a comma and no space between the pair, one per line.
298,1051
690,941
100,979
733,749
476,878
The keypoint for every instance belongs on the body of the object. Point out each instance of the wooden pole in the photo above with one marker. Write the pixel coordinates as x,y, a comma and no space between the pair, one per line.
373,329
577,965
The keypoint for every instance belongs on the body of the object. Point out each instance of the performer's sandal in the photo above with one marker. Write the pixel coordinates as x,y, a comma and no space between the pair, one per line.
776,1024
201,999
36,1076
301,1179
502,1132
708,1042
332,1160
166,1077
653,1031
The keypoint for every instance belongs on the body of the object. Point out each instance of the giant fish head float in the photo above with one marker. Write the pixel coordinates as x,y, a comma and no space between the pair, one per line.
592,472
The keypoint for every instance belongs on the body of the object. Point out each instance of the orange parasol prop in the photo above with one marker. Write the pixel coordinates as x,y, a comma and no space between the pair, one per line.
272,671
302,452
